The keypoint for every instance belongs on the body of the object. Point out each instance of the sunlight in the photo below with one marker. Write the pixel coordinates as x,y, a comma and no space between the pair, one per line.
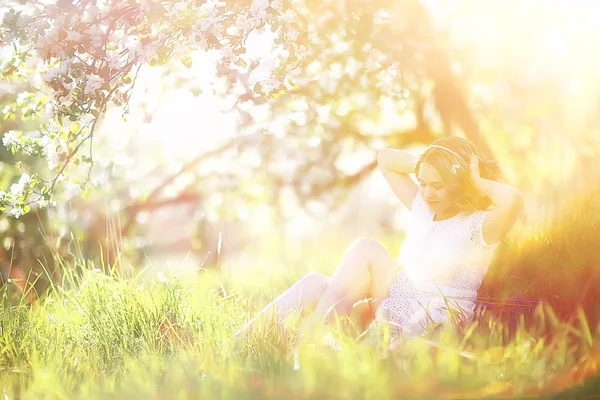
177,114
555,42
211,213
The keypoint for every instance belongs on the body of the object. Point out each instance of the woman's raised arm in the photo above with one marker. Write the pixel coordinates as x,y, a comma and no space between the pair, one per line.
508,203
395,166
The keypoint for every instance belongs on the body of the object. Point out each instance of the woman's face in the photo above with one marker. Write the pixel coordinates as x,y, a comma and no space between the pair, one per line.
437,195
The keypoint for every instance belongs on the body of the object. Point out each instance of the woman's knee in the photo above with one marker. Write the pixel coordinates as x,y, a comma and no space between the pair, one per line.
313,282
366,246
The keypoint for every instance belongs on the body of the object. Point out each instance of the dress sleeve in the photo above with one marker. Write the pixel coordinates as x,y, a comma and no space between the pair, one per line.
476,227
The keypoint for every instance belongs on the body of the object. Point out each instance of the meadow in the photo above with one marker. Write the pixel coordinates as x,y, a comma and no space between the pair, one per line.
101,334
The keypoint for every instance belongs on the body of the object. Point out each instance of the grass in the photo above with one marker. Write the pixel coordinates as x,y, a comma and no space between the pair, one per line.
108,337
98,335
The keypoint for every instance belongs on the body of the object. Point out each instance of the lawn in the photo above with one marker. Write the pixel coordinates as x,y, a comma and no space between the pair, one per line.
99,335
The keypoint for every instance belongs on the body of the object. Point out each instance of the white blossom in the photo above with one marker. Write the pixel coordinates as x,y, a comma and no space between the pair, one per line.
269,85
292,35
49,111
40,43
207,22
73,36
210,6
259,7
72,189
227,55
16,212
97,36
181,6
60,68
49,76
92,83
277,4
10,138
66,100
16,189
93,12
244,23
288,17
21,97
50,151
113,60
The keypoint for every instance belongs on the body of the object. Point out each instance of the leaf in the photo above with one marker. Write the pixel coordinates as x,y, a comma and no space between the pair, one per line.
241,63
293,85
187,61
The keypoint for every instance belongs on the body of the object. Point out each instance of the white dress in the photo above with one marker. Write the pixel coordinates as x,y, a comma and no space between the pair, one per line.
443,264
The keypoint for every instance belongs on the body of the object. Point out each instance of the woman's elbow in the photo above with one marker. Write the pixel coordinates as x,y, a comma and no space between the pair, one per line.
518,203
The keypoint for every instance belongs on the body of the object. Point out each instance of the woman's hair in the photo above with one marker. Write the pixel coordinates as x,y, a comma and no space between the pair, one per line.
455,171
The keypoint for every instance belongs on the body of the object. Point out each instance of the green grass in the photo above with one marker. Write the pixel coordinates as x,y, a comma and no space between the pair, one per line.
110,337
95,335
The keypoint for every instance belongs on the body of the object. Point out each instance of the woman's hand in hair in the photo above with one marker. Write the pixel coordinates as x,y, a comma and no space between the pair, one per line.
474,168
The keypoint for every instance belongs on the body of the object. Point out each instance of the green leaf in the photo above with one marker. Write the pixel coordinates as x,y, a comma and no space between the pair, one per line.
241,63
187,61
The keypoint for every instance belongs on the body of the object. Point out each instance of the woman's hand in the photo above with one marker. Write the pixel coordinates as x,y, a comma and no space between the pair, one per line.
474,170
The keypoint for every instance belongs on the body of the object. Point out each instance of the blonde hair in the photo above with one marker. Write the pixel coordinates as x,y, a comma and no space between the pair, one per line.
450,157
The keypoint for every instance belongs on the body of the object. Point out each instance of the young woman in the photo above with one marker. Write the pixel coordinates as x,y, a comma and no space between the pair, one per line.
460,213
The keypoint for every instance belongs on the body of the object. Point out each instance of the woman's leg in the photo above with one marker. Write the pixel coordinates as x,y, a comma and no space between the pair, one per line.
301,296
366,268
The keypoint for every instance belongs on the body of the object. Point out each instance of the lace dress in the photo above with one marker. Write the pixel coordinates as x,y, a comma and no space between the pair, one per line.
443,264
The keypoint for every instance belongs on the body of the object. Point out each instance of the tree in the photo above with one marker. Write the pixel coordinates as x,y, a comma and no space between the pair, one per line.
363,58
88,55
355,59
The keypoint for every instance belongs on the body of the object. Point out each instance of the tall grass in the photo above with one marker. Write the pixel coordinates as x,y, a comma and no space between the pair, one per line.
99,334
102,336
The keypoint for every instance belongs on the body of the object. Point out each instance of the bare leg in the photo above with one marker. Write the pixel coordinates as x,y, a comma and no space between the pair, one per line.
366,270
301,296
366,267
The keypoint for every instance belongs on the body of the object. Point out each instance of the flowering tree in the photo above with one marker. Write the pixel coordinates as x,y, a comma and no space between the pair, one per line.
368,62
84,55
357,59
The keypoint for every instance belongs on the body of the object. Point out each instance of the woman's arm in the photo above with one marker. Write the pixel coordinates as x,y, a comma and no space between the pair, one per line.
395,166
501,194
508,203
398,161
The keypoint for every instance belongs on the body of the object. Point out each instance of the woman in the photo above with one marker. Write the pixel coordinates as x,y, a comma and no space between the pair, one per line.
460,213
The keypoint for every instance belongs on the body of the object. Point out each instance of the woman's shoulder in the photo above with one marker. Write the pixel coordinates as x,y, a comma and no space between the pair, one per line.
418,207
475,226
